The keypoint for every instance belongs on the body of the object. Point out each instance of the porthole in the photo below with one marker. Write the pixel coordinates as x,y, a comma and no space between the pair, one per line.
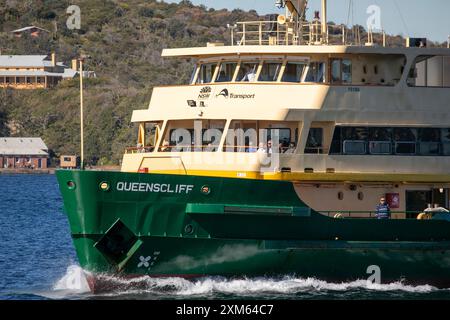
360,196
188,229
71,185
340,195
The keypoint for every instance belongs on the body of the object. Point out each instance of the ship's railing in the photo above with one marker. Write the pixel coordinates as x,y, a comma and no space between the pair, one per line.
300,33
133,150
369,214
266,33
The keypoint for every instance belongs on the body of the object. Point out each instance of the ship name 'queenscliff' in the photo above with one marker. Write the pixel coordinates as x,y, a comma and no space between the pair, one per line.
154,187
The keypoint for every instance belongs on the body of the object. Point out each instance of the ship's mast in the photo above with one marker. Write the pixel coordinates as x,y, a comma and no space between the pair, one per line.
324,22
297,10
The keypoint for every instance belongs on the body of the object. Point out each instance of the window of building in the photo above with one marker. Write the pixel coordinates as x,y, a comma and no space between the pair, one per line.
316,72
226,72
314,144
206,73
270,71
293,72
2,80
247,71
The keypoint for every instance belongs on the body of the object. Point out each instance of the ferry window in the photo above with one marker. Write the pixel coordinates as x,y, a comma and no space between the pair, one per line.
316,72
206,73
405,140
247,71
336,143
445,137
341,71
430,71
380,141
346,71
336,71
293,72
314,144
182,136
430,139
284,137
194,72
270,71
242,136
226,72
354,140
387,141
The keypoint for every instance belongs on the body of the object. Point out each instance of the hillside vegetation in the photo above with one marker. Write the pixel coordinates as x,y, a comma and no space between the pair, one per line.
124,40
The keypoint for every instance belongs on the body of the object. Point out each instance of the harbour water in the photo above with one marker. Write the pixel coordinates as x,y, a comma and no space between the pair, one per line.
38,261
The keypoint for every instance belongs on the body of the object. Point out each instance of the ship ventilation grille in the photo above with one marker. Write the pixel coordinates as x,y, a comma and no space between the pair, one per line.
117,243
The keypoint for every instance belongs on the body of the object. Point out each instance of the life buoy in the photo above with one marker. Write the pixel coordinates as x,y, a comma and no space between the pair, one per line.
338,216
424,216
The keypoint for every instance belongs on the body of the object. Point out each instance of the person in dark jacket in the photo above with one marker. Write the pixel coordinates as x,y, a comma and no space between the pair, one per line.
383,210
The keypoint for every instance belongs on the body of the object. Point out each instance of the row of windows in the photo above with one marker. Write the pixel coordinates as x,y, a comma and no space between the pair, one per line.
22,79
246,140
270,71
388,141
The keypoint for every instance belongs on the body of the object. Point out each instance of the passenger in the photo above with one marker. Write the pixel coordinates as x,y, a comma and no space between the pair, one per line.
262,148
251,147
383,210
250,75
140,148
165,146
291,148
269,146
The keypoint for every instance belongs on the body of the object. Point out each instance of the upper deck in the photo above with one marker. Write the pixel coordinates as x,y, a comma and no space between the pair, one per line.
227,51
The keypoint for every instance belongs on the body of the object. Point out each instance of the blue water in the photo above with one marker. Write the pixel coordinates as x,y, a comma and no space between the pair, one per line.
38,261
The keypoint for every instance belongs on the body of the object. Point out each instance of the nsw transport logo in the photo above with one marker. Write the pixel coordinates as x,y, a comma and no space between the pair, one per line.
223,93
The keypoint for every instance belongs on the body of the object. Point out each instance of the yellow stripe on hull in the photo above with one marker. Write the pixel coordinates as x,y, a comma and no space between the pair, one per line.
317,177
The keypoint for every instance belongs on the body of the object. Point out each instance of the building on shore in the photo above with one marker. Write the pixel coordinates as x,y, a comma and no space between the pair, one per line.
34,71
33,31
23,153
69,162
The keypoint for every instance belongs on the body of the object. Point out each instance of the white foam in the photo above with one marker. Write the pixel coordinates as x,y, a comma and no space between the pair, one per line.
74,280
290,285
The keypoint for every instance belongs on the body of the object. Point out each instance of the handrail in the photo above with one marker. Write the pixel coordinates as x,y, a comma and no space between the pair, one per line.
361,214
297,33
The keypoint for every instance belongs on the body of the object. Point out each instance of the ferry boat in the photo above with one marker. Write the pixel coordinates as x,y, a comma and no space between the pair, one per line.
272,159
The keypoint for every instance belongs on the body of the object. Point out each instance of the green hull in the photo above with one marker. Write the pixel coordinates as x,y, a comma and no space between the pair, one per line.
167,225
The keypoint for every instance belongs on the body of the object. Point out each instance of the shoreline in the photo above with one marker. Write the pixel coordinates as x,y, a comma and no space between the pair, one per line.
52,170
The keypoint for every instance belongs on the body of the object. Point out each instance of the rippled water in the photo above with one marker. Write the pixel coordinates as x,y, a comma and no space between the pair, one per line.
38,261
